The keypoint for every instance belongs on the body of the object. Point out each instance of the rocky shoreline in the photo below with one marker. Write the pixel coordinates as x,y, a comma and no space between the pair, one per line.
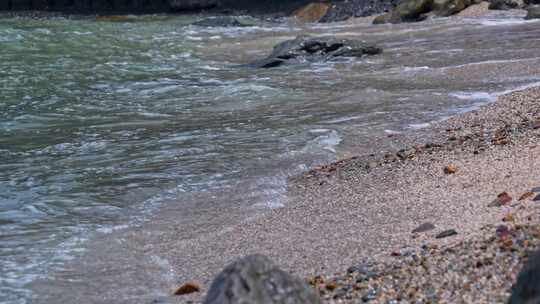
483,264
466,192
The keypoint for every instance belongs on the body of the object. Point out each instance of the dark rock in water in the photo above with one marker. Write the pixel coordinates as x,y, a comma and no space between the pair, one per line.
344,10
255,279
527,288
221,21
446,234
424,227
306,48
536,198
192,5
505,4
533,12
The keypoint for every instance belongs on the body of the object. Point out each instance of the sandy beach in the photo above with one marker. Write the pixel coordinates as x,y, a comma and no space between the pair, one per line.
364,209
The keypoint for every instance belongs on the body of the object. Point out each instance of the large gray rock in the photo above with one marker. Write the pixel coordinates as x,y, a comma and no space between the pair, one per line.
533,12
191,5
527,288
312,49
256,280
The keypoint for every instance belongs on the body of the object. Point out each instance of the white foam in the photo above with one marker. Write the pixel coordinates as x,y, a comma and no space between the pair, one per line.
392,132
419,126
492,62
503,22
490,97
474,96
414,69
327,141
343,119
108,230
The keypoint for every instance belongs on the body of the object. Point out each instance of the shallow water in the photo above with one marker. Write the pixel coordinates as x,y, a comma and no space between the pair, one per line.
106,127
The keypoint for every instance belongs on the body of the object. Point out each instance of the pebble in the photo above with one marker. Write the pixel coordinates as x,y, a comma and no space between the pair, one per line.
187,288
446,233
424,227
450,169
526,195
501,200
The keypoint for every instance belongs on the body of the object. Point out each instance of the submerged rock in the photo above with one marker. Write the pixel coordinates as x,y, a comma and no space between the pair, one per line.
255,279
221,21
306,48
527,288
533,12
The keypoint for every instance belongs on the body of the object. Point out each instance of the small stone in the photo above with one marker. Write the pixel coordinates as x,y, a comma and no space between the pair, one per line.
331,286
526,195
187,288
360,269
508,218
502,231
424,227
536,198
340,293
501,200
446,233
450,169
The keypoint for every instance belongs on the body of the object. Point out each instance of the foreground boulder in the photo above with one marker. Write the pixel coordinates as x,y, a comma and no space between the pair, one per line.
527,288
533,12
312,49
221,21
255,279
